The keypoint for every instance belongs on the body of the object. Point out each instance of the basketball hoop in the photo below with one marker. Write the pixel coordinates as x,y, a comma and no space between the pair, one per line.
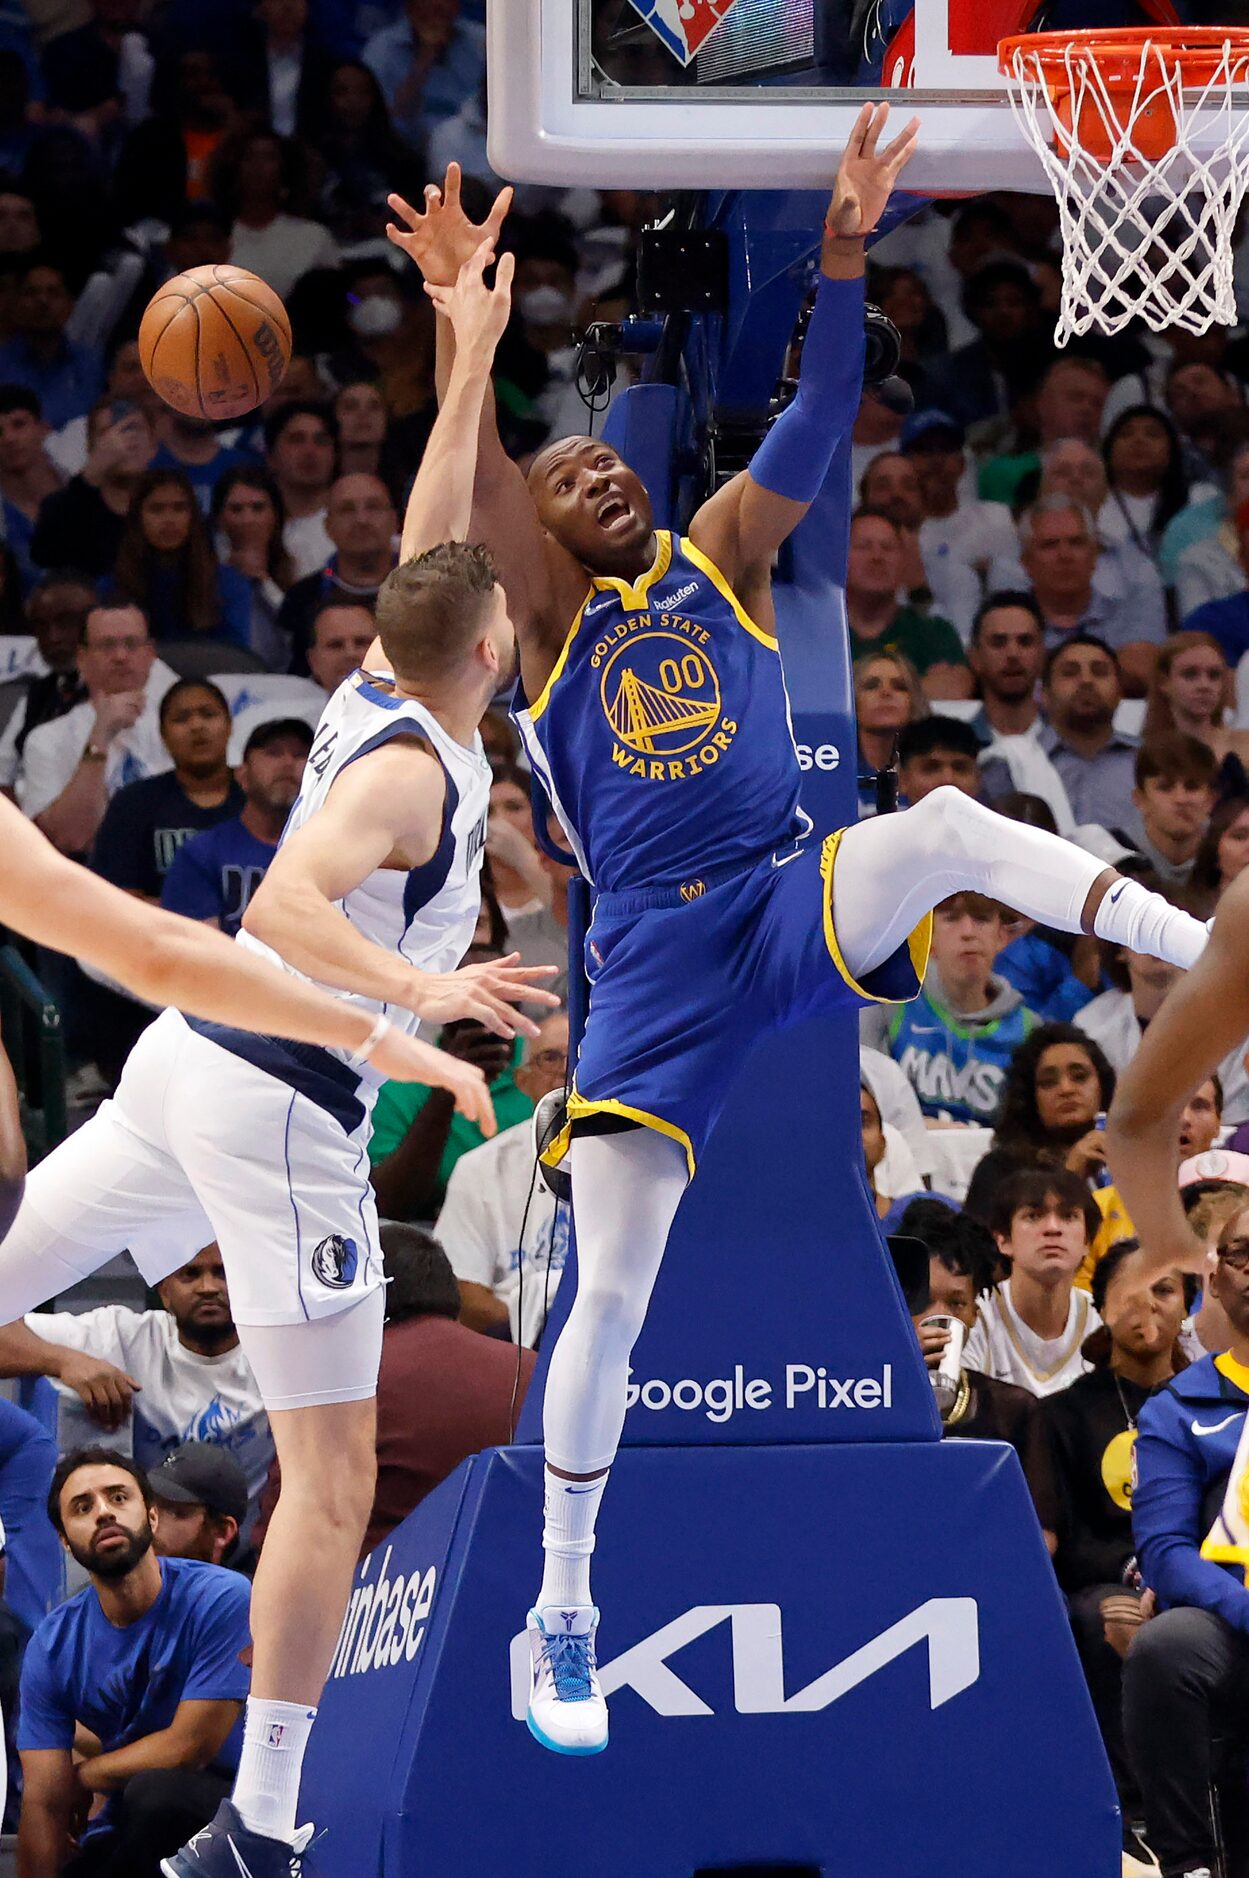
1146,142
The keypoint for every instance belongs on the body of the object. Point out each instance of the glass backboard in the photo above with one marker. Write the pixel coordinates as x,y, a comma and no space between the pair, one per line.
762,93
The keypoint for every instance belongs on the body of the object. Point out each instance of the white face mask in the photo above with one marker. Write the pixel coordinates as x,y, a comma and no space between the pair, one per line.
546,306
375,317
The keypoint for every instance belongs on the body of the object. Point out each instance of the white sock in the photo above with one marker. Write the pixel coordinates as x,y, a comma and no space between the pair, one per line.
1131,915
571,1508
266,1787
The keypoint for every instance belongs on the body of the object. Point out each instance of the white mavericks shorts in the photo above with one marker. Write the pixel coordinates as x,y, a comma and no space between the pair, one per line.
200,1144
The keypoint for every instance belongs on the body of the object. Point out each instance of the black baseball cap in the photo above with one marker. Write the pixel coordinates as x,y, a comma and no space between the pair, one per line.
274,729
199,1474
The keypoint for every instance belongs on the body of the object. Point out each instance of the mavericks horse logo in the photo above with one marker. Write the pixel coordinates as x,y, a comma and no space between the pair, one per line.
335,1261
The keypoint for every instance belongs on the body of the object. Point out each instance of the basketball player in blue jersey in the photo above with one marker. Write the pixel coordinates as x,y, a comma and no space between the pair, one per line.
654,709
216,1133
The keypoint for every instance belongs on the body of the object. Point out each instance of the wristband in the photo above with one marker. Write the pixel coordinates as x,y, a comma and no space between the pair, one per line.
835,234
360,1057
91,755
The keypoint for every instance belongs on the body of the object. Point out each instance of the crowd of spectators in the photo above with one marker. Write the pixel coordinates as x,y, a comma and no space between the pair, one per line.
1048,607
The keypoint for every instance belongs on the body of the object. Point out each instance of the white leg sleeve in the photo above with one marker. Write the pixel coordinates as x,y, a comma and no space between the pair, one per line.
891,870
626,1189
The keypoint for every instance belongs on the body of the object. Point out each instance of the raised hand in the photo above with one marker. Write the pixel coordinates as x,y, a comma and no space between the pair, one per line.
487,992
867,175
478,314
440,239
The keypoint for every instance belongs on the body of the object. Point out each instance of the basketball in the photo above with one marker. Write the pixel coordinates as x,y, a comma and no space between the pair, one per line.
215,342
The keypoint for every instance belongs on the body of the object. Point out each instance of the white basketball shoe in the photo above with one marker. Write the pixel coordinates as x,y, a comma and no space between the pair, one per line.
567,1712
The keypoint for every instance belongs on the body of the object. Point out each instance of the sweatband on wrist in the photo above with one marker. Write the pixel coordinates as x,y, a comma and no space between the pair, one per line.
795,456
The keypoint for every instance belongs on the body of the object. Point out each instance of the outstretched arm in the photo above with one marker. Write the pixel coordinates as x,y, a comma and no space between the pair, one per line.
439,238
440,507
181,962
1205,1015
743,524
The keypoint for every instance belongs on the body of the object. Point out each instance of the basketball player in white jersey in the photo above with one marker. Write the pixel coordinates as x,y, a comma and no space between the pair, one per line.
262,1145
170,960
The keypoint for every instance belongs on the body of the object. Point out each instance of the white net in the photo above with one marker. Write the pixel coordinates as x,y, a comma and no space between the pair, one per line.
1149,168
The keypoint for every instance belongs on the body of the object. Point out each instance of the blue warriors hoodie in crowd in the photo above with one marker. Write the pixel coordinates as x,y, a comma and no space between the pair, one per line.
1185,1445
954,1060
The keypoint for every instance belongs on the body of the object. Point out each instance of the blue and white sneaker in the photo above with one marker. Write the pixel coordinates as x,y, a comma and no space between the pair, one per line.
567,1712
226,1848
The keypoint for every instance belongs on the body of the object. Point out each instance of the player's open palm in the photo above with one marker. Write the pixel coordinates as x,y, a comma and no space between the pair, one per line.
440,238
488,992
406,1059
478,314
867,174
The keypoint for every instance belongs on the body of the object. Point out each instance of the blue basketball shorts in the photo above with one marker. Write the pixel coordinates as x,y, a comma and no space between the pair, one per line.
685,980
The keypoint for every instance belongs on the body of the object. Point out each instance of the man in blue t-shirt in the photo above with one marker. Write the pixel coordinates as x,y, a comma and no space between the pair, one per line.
214,875
148,821
144,1670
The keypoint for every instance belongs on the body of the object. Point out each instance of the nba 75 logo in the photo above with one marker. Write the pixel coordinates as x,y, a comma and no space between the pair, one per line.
685,26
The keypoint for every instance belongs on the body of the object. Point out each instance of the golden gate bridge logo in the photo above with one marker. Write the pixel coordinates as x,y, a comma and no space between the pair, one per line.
669,709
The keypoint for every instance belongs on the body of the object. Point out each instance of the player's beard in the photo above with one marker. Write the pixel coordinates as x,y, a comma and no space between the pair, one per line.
115,1564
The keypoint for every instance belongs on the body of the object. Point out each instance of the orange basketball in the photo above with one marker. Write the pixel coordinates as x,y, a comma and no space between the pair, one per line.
1152,126
215,342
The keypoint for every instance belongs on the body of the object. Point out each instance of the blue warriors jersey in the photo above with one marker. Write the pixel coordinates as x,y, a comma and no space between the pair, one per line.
663,735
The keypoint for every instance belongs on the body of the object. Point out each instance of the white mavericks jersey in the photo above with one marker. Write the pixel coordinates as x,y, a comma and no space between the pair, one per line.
426,915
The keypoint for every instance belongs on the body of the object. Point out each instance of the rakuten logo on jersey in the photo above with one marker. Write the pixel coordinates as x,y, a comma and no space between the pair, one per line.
385,1621
818,755
722,1397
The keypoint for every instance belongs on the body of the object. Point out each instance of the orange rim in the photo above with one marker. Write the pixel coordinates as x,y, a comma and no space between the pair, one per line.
1195,52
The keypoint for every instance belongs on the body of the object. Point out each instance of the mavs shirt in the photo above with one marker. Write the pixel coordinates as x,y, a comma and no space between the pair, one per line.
126,1684
214,875
957,1066
663,735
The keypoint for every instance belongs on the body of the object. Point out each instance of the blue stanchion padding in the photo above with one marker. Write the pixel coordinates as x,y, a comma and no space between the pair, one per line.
642,426
845,1659
776,1316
